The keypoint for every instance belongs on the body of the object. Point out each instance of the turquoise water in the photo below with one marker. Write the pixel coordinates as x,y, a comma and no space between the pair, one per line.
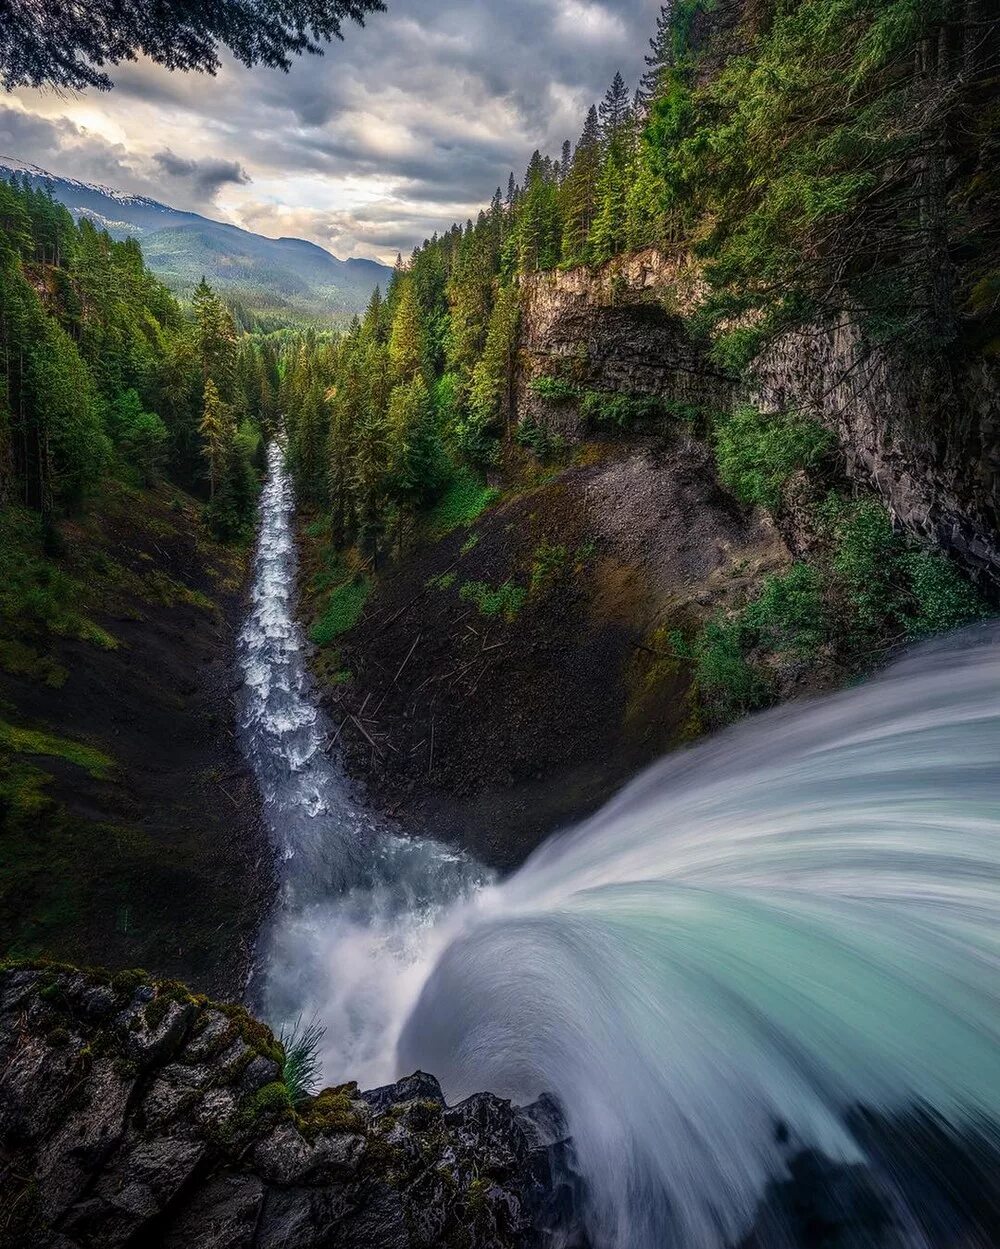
758,936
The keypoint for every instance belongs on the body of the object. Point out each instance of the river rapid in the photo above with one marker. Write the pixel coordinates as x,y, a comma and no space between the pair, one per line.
780,945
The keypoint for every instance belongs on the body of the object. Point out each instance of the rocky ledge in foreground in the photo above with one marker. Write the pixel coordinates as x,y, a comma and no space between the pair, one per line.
134,1113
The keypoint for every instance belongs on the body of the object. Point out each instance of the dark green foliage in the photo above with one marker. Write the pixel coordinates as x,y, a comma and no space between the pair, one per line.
943,599
789,613
728,683
539,440
866,549
47,44
555,389
100,371
605,410
758,452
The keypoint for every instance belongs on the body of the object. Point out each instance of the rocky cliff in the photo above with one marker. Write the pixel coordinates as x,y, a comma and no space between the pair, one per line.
925,434
133,1113
616,329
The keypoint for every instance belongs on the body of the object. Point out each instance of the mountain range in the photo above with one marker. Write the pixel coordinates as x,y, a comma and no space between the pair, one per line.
283,279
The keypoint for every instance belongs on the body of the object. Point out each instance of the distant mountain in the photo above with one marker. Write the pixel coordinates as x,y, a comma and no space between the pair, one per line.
286,277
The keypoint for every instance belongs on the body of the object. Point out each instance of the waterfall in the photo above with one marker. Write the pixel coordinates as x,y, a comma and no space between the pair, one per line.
354,924
762,947
775,955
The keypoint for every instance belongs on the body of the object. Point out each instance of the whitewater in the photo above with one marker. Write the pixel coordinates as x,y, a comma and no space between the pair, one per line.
781,943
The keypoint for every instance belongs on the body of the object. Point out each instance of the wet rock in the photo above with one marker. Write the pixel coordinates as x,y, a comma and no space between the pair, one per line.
131,1118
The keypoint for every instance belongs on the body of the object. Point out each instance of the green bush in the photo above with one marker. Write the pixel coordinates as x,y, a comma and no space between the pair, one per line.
756,453
539,440
555,389
866,550
789,614
729,684
605,410
944,599
464,499
506,600
343,610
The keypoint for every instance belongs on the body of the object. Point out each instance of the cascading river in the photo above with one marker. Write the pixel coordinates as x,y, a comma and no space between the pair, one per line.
354,921
774,955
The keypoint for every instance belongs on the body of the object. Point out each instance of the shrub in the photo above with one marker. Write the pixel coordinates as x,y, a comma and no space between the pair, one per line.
756,453
555,389
866,550
301,1066
944,599
464,499
789,613
539,440
607,410
506,600
730,685
343,610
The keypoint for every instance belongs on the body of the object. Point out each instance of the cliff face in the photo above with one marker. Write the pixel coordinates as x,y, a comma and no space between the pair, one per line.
924,434
615,329
132,1113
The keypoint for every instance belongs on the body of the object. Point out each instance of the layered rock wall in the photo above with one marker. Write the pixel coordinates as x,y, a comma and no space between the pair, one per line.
924,434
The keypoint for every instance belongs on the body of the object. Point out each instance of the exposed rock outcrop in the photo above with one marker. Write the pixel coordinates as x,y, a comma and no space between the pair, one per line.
132,1113
925,434
616,328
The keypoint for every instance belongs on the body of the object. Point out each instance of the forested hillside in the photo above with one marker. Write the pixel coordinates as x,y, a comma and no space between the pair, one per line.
270,282
809,169
129,436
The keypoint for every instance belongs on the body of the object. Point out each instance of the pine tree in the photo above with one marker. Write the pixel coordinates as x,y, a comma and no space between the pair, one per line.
217,429
579,191
615,110
407,341
659,59
215,335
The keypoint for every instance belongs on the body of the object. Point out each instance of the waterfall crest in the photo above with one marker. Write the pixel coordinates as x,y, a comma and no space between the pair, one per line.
777,947
757,938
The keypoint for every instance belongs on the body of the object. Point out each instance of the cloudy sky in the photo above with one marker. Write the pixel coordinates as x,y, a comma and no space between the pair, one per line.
406,126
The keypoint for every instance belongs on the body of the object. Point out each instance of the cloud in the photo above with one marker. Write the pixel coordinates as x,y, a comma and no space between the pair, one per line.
206,176
407,125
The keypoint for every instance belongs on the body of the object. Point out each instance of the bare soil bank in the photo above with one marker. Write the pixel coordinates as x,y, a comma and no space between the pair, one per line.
507,678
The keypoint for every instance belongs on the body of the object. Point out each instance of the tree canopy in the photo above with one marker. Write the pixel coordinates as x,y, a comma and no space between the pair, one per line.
49,43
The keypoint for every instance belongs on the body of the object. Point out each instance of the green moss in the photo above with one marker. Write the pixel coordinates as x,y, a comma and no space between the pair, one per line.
464,500
443,581
343,610
505,600
23,741
330,1111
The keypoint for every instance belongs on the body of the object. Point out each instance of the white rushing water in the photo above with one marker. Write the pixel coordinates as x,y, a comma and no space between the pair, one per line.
758,936
354,924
